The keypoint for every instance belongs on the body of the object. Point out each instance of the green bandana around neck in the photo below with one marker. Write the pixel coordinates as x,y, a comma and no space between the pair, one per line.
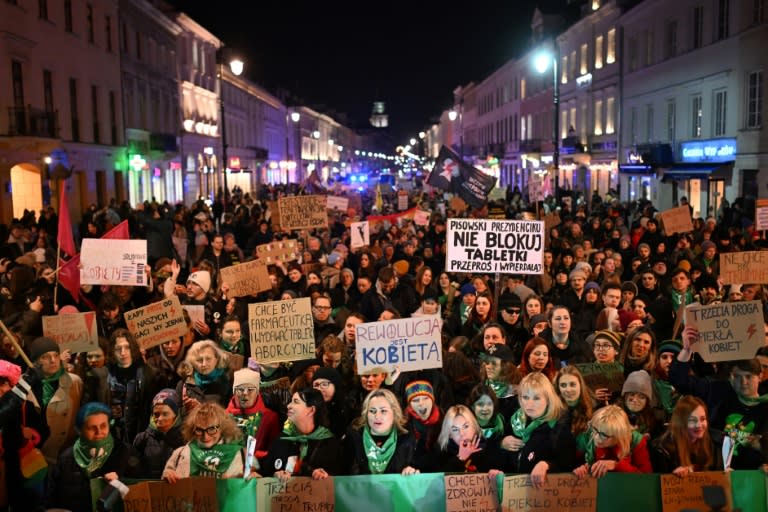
496,430
291,433
522,428
204,380
91,455
49,386
498,387
213,461
379,456
236,348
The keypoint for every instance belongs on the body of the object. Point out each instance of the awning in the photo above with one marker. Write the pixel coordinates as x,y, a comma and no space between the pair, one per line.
643,169
687,171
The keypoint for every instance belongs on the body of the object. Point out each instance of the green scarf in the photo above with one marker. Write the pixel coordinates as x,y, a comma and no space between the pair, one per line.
521,429
237,348
91,455
291,433
203,380
498,387
589,453
379,456
494,431
212,461
49,386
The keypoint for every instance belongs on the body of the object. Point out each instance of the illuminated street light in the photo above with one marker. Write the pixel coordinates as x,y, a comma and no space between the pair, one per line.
541,62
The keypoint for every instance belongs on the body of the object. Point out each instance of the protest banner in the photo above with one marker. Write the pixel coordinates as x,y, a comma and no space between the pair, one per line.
355,203
744,267
285,251
559,492
406,343
302,212
198,494
608,376
337,203
498,194
536,187
727,331
458,204
299,494
360,234
247,278
109,261
470,492
505,246
681,494
677,220
157,323
497,212
402,200
75,332
196,313
273,216
421,218
761,214
282,330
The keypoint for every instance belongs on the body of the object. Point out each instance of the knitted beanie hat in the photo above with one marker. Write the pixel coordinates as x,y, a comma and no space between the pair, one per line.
638,382
201,278
614,337
40,346
167,397
673,346
246,376
418,388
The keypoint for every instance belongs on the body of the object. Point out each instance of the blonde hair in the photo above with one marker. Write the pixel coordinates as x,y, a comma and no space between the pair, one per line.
222,359
450,415
613,421
539,383
399,418
215,414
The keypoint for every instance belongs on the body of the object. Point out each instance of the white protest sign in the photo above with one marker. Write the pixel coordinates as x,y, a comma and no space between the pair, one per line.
727,331
196,313
337,203
75,331
157,323
402,201
421,218
505,246
360,234
407,343
110,261
761,214
282,330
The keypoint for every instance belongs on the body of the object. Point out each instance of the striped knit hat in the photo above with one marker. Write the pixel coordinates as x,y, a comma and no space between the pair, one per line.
418,388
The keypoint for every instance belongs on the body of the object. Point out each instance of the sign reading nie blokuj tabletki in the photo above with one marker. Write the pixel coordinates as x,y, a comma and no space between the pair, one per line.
109,261
406,344
504,246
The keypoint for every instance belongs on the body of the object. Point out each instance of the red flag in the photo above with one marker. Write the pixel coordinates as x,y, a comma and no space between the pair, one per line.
65,239
119,232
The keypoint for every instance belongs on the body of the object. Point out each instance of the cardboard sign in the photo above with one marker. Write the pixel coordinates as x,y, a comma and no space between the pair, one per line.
470,492
337,203
76,332
198,494
302,212
603,375
744,267
157,323
498,194
421,218
727,331
458,204
505,246
497,212
559,492
402,200
247,278
536,187
360,234
196,313
285,251
273,215
282,330
299,494
679,494
116,262
407,343
761,214
677,220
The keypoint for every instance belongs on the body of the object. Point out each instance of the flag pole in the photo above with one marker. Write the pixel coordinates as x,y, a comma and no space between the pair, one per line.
56,272
15,344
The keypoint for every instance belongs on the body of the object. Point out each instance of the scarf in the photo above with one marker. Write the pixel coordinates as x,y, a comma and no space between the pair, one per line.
91,455
49,386
291,433
667,394
521,429
591,455
236,348
248,420
421,426
203,380
379,456
495,428
498,387
213,461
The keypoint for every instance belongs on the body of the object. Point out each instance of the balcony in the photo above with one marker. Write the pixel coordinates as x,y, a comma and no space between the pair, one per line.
163,142
32,122
530,146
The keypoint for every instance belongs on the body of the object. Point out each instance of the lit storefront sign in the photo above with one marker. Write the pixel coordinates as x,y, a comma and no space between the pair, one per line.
137,163
714,150
234,162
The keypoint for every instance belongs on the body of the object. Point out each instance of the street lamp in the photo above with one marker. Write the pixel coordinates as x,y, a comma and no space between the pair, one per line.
296,117
452,115
316,136
236,66
541,62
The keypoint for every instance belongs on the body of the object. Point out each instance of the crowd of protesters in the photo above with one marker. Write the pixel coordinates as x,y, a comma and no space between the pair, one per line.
509,398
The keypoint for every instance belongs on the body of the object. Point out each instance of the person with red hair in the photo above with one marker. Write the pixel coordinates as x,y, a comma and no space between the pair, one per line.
537,358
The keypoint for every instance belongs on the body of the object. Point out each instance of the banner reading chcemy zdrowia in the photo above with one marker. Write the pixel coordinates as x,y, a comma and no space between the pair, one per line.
485,245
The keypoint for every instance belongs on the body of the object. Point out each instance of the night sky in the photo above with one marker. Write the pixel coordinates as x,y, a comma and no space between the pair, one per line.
341,56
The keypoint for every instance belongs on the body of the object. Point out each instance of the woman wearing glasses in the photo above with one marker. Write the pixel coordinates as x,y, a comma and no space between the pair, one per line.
249,411
213,446
205,373
614,446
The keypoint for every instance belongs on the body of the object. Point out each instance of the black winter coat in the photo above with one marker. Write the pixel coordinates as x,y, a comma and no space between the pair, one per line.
155,448
555,445
325,454
404,456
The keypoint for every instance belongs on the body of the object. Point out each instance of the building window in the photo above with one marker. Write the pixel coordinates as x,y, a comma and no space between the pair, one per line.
598,117
572,70
523,129
564,123
89,22
73,114
648,47
95,114
42,9
649,123
670,39
515,125
610,50
671,121
632,53
633,124
584,66
610,107
17,78
125,42
723,18
564,70
48,90
698,26
195,56
755,99
720,112
696,116
758,11
108,32
138,45
599,52
522,88
68,16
